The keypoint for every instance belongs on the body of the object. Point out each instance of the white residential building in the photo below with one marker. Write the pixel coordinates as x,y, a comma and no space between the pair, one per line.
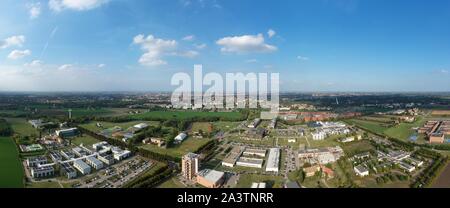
42,172
320,135
94,162
82,167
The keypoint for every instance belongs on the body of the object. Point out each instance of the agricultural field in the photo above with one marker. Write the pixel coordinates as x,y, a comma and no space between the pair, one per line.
11,174
180,115
188,145
443,181
246,180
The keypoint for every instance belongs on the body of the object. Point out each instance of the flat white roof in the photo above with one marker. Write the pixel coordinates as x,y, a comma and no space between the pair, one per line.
211,175
273,160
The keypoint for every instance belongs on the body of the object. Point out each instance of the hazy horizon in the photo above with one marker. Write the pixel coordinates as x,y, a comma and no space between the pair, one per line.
315,46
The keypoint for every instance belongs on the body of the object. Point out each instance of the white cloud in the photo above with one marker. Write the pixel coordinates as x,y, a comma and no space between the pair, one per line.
78,5
35,63
17,54
154,49
17,40
302,58
271,33
444,71
251,61
189,38
101,65
65,67
34,10
245,44
200,46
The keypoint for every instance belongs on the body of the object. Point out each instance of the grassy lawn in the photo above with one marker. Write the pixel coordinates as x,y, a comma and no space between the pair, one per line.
22,127
370,125
204,126
189,145
164,115
44,184
404,130
171,183
11,171
225,125
356,147
86,140
246,180
92,126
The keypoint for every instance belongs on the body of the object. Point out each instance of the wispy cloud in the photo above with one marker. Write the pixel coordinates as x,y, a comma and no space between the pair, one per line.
189,38
18,54
302,58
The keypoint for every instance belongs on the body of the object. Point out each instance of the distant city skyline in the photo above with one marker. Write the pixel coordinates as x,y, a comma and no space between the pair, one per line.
315,45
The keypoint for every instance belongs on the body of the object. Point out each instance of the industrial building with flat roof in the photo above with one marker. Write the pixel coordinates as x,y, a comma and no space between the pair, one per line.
210,178
273,161
255,152
232,157
66,133
250,162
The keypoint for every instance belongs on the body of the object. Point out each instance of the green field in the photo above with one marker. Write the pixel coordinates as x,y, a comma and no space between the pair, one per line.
188,145
246,180
43,184
370,125
11,171
404,130
86,140
171,183
225,125
204,126
92,126
165,115
401,131
22,127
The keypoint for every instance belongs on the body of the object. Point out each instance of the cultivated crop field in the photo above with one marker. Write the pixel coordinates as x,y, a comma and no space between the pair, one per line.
165,115
11,172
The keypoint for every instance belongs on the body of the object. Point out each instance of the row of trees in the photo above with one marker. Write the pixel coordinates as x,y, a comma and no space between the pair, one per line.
5,128
152,179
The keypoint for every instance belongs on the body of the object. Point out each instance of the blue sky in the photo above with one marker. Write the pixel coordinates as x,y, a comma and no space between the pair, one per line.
315,45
